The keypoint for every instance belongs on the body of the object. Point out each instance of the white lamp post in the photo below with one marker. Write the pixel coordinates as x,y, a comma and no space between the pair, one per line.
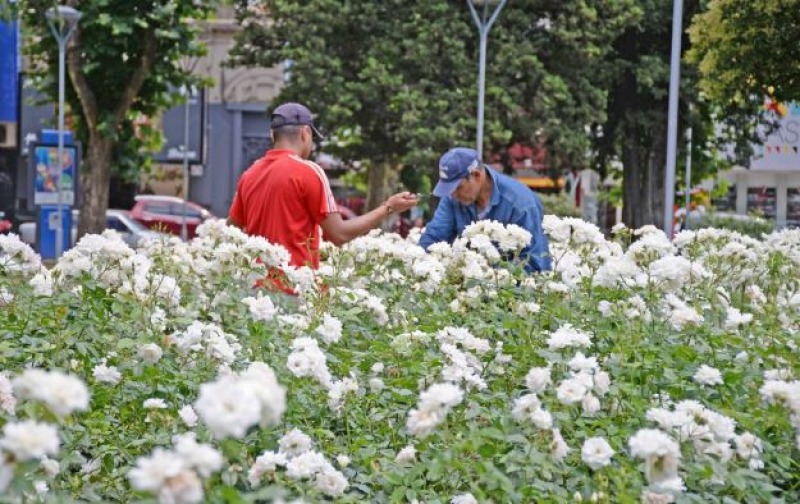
484,22
187,92
672,124
62,21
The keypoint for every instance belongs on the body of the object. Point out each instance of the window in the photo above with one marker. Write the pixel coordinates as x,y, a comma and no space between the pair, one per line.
158,207
115,224
177,210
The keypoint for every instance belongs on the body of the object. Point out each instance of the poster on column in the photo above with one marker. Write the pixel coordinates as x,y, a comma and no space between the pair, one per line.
47,167
780,150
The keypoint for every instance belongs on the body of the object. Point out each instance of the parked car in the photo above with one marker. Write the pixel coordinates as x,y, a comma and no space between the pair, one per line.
5,223
165,213
119,220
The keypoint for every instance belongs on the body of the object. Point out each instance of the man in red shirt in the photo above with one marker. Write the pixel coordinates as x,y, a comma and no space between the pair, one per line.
286,199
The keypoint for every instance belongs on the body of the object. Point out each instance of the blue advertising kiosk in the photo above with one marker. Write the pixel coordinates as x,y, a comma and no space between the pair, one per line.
45,168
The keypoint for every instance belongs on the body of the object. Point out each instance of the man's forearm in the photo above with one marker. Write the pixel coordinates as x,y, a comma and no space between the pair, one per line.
363,224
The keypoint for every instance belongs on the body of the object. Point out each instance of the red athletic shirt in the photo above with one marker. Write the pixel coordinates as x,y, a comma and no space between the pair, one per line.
283,198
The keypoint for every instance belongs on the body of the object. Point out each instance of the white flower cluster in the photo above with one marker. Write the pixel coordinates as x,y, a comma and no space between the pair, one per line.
408,455
403,342
99,256
708,376
362,298
432,408
568,336
462,364
206,339
300,463
680,314
60,393
330,330
671,273
106,374
8,402
596,453
307,361
29,440
174,476
736,319
635,307
711,433
508,237
619,271
150,353
586,379
233,404
261,307
652,244
16,257
529,407
571,232
786,393
6,297
428,273
228,246
661,455
465,498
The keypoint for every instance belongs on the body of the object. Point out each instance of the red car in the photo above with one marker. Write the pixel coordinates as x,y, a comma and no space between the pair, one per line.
165,213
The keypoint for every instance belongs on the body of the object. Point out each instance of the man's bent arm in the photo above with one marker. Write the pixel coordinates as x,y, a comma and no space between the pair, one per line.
441,228
340,231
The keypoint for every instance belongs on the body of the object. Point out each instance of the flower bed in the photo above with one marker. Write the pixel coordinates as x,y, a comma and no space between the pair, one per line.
641,370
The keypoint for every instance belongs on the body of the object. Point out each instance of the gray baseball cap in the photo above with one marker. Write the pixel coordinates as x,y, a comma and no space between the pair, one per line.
293,114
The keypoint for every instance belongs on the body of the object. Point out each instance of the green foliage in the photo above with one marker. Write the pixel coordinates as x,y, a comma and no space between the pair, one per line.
636,326
746,51
744,48
397,79
635,131
749,225
559,204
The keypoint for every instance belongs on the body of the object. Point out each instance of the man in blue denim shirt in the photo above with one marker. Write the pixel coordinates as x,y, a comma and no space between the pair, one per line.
471,191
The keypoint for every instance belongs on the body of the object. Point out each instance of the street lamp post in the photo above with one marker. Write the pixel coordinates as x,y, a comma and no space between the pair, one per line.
188,96
62,21
688,173
484,22
672,124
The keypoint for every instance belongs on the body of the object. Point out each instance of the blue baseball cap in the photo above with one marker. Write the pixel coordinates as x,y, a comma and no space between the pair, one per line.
455,165
294,114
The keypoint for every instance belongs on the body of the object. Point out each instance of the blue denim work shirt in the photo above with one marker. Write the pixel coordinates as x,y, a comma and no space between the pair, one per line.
511,203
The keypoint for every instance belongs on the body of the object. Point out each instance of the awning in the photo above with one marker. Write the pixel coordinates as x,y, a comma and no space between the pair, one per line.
542,182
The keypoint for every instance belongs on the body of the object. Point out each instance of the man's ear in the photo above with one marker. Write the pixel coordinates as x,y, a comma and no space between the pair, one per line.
272,136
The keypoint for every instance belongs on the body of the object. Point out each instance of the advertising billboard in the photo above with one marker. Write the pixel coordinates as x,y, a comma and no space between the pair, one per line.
780,150
9,72
47,166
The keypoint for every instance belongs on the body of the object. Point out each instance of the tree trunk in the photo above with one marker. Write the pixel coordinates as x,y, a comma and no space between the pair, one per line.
643,178
383,177
95,181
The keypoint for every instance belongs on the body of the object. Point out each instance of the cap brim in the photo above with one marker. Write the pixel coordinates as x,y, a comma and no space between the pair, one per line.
444,189
317,133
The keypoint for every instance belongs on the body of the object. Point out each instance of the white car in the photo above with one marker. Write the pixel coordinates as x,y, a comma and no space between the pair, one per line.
118,220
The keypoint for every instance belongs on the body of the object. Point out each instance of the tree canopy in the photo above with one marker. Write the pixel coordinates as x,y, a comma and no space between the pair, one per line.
121,62
396,81
746,50
747,53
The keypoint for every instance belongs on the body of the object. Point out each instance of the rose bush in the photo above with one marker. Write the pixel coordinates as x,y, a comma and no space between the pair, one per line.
640,370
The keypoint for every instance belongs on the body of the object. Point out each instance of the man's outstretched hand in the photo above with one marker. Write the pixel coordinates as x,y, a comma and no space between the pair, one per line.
401,202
